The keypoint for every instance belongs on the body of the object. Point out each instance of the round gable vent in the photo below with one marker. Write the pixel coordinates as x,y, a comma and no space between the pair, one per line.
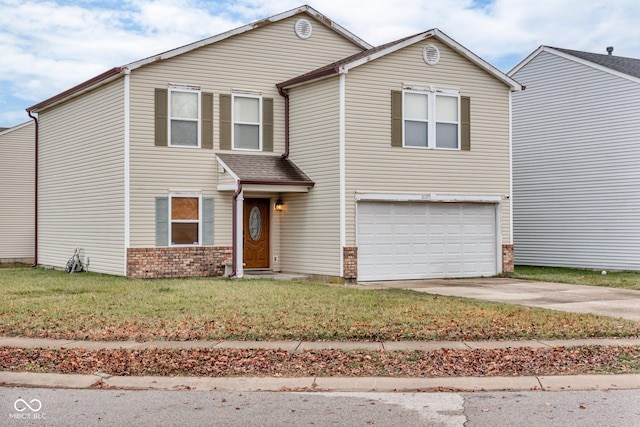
303,28
431,54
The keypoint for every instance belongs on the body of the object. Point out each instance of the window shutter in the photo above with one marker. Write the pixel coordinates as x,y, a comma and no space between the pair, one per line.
225,122
162,221
465,123
206,113
207,221
396,118
161,112
267,124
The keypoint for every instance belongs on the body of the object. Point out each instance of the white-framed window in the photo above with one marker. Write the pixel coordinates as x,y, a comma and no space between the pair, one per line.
185,219
247,122
184,117
431,119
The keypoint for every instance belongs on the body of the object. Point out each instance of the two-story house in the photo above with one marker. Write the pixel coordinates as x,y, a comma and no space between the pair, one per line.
577,160
247,151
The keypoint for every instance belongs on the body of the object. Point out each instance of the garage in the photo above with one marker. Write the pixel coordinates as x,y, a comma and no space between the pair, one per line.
419,240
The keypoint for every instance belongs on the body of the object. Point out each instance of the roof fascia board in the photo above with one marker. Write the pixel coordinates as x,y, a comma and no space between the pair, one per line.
16,127
329,23
525,61
227,169
245,28
591,64
511,83
301,80
97,81
389,50
514,85
109,75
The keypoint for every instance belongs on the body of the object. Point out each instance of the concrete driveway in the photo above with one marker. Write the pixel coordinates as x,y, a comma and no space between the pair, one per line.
612,302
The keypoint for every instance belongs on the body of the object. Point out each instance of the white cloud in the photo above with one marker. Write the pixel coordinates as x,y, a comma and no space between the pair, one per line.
48,46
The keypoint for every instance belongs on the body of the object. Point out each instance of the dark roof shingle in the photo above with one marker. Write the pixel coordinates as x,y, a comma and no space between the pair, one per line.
259,169
630,66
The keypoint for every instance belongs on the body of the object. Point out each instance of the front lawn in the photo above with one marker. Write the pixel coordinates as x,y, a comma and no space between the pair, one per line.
53,304
613,279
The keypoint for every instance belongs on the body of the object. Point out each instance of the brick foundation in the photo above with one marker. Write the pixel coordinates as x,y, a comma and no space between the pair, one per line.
350,262
160,262
507,258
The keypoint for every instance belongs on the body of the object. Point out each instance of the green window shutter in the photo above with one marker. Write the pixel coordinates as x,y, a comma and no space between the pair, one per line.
207,221
207,120
162,221
267,124
465,123
161,113
396,118
225,122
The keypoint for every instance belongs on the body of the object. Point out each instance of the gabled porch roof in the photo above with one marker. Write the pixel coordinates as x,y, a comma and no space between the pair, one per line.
263,171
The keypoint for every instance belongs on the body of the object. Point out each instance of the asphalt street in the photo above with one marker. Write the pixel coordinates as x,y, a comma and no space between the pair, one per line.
64,407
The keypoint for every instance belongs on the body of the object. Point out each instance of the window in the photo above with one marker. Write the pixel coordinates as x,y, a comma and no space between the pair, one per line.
184,117
185,220
247,113
431,119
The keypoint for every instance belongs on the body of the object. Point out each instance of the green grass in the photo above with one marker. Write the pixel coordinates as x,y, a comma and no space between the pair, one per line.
613,279
53,304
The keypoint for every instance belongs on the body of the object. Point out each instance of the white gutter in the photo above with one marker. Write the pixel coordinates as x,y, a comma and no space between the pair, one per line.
510,171
127,166
342,166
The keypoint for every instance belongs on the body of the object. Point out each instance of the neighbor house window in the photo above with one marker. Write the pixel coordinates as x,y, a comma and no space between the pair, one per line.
185,214
184,117
431,119
247,122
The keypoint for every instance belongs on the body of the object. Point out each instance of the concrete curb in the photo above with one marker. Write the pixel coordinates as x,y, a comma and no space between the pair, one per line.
353,384
330,384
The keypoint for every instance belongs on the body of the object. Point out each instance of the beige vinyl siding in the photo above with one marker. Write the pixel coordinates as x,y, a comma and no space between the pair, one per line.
374,166
81,180
17,193
255,60
576,159
310,224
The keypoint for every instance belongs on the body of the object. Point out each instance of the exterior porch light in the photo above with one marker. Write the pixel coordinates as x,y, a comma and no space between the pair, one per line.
279,205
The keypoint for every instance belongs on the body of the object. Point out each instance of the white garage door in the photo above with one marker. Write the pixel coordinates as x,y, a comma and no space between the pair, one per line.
398,240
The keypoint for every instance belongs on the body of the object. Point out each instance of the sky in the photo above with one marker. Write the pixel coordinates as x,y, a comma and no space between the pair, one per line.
48,46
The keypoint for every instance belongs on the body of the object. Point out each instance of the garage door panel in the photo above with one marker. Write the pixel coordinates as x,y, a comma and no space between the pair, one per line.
399,240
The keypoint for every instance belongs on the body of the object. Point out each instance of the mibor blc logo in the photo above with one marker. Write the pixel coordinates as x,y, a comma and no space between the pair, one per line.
29,410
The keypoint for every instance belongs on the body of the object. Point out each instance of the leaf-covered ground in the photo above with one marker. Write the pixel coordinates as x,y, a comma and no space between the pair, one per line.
242,362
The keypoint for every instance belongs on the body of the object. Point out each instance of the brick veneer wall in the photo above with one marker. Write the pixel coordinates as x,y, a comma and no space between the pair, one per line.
153,263
507,258
350,262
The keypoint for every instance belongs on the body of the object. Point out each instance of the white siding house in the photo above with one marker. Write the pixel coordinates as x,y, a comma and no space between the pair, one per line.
576,160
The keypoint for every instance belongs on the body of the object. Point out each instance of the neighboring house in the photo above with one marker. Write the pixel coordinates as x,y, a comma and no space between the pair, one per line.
576,160
231,154
17,194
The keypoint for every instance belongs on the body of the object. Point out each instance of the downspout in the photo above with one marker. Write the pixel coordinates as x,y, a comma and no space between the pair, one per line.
285,95
234,234
35,234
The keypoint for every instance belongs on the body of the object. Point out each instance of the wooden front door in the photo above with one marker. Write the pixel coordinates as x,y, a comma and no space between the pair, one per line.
256,233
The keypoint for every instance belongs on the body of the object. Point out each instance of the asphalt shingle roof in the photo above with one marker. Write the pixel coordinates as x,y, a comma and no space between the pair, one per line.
265,169
630,66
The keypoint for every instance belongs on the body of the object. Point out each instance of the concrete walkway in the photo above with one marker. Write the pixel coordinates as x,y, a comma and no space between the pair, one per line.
362,384
619,303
